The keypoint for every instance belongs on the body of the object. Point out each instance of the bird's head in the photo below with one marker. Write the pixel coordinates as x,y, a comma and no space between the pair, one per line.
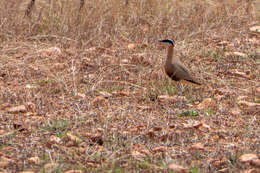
168,41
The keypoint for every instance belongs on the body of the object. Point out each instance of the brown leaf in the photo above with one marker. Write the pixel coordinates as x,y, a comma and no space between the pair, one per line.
58,67
99,101
223,43
105,94
257,91
239,98
125,61
177,168
20,126
247,157
50,51
151,134
21,54
207,103
144,107
35,160
255,162
5,162
235,112
54,140
251,171
240,54
159,149
131,46
31,106
97,138
74,171
192,124
17,109
72,137
120,93
50,167
4,106
91,163
254,107
238,74
255,29
80,96
137,154
157,128
197,146
166,98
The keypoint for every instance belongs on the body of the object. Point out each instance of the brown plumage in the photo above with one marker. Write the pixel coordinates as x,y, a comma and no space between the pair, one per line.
175,69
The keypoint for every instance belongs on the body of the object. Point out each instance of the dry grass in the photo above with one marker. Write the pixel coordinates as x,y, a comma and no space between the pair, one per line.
129,129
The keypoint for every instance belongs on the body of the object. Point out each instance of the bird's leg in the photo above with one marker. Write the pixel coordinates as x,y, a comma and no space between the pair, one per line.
180,93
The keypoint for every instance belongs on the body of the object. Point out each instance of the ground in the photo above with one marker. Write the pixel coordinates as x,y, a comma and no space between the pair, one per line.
85,89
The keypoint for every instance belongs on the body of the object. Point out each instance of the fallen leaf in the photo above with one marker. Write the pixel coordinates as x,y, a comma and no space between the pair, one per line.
235,112
131,46
239,98
19,125
92,49
74,171
79,96
120,93
254,107
72,137
58,67
255,29
177,168
125,61
4,164
223,43
17,109
50,167
138,154
197,146
240,54
151,134
99,101
144,107
159,149
255,162
97,138
50,51
192,124
157,128
239,74
257,91
35,160
30,86
105,94
247,157
251,171
4,106
54,140
166,98
31,106
207,103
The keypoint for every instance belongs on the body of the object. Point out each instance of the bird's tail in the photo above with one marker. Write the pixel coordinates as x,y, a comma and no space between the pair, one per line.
191,82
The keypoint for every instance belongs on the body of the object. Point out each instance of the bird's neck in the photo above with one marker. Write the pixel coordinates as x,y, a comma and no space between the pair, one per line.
170,57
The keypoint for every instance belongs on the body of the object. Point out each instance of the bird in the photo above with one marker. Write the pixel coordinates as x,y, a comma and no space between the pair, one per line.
174,68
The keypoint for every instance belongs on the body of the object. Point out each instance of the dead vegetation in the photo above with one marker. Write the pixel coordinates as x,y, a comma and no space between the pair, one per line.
86,91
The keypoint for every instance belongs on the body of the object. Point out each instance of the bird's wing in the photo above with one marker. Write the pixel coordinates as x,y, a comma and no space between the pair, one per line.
183,74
